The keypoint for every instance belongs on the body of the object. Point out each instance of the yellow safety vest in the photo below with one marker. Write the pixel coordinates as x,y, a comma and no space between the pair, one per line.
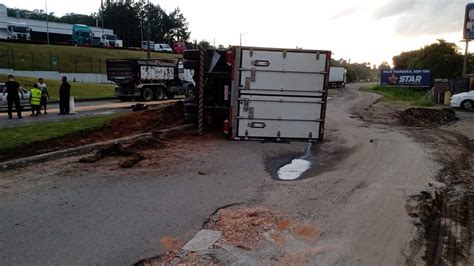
35,96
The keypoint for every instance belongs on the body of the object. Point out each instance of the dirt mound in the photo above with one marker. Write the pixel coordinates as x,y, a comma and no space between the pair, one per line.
126,125
426,117
244,227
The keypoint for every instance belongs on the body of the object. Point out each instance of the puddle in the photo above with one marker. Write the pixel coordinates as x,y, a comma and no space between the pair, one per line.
296,168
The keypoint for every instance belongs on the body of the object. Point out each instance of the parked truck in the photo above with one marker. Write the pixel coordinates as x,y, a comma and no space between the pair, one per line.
337,77
111,41
148,79
82,35
18,31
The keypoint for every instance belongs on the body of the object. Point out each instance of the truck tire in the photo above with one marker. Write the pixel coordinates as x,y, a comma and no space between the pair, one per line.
160,94
147,94
170,95
191,64
192,54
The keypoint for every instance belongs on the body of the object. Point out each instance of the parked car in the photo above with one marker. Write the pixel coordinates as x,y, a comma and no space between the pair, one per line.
162,47
25,96
463,100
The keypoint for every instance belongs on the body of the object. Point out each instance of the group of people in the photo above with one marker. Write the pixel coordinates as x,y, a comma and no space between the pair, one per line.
38,99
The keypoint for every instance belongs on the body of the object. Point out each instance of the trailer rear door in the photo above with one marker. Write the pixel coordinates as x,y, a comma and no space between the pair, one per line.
279,94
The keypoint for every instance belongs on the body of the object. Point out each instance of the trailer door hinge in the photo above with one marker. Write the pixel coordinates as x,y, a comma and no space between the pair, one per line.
284,54
253,74
247,83
246,105
318,55
251,112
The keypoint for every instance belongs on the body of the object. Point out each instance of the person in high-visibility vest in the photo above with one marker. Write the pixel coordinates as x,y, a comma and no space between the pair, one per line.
35,100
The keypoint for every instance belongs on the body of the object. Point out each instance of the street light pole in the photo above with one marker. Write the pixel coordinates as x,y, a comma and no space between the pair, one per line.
242,33
148,29
47,22
464,65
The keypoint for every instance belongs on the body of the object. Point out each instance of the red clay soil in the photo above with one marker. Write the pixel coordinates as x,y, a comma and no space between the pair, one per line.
130,124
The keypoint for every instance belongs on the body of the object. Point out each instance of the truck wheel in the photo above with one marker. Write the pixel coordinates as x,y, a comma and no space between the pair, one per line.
190,92
170,95
160,94
147,94
192,54
191,64
467,105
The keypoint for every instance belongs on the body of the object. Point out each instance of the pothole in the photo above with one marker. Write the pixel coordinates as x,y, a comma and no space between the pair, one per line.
296,168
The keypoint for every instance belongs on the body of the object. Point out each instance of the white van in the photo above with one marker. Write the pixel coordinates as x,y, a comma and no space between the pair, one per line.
162,47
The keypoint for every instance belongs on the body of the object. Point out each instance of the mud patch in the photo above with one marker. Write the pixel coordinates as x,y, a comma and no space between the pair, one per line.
115,150
316,159
427,117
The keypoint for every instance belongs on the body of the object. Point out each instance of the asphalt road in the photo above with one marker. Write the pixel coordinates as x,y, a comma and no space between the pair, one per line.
66,213
83,109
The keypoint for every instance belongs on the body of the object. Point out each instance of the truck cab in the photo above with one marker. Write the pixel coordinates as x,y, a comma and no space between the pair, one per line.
82,35
18,32
179,47
148,45
110,40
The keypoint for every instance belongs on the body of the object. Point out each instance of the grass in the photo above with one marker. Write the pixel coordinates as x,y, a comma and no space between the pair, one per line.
78,90
403,95
20,136
64,58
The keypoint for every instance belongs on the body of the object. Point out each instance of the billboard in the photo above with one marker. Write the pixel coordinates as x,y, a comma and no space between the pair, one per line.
469,22
406,78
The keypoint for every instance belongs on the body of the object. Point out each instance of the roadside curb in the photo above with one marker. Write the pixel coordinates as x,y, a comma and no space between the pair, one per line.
87,100
8,165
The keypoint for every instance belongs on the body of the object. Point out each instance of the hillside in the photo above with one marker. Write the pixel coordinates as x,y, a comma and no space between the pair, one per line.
64,58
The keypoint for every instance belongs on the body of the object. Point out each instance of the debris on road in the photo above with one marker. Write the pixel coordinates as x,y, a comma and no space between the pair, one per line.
244,236
427,117
244,227
115,150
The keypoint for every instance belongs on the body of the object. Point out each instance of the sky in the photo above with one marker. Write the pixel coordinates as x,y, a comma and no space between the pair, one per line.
361,31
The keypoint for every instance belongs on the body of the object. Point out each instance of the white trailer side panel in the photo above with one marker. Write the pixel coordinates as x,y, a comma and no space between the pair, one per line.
281,93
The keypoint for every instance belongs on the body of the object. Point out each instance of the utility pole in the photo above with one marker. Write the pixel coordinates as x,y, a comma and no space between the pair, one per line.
148,28
47,22
466,53
242,33
103,28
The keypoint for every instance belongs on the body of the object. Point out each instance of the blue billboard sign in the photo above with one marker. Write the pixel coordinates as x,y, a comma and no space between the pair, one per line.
469,22
406,78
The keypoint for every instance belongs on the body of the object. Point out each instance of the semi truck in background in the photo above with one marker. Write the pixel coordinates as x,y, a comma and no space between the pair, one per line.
149,79
17,31
111,41
337,77
82,35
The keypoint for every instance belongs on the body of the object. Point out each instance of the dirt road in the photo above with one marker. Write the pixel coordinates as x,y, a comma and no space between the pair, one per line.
62,212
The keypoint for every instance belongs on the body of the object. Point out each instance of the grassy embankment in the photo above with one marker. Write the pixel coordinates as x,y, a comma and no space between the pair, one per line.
78,90
403,95
21,136
63,58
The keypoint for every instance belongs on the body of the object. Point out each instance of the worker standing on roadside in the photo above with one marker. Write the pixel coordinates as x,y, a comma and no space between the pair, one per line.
44,95
64,95
35,100
13,89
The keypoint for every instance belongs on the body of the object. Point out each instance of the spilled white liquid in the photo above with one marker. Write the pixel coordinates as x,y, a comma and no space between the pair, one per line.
296,167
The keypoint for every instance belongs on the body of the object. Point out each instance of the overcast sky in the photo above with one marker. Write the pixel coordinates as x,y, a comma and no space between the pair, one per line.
363,31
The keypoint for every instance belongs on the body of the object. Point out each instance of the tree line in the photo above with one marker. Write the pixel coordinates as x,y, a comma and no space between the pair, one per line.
357,71
128,19
444,59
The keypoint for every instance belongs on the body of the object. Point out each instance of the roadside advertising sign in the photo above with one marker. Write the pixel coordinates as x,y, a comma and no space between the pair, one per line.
469,22
406,78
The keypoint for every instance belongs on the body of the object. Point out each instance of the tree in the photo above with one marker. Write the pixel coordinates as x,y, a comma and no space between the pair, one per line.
384,66
205,44
444,59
